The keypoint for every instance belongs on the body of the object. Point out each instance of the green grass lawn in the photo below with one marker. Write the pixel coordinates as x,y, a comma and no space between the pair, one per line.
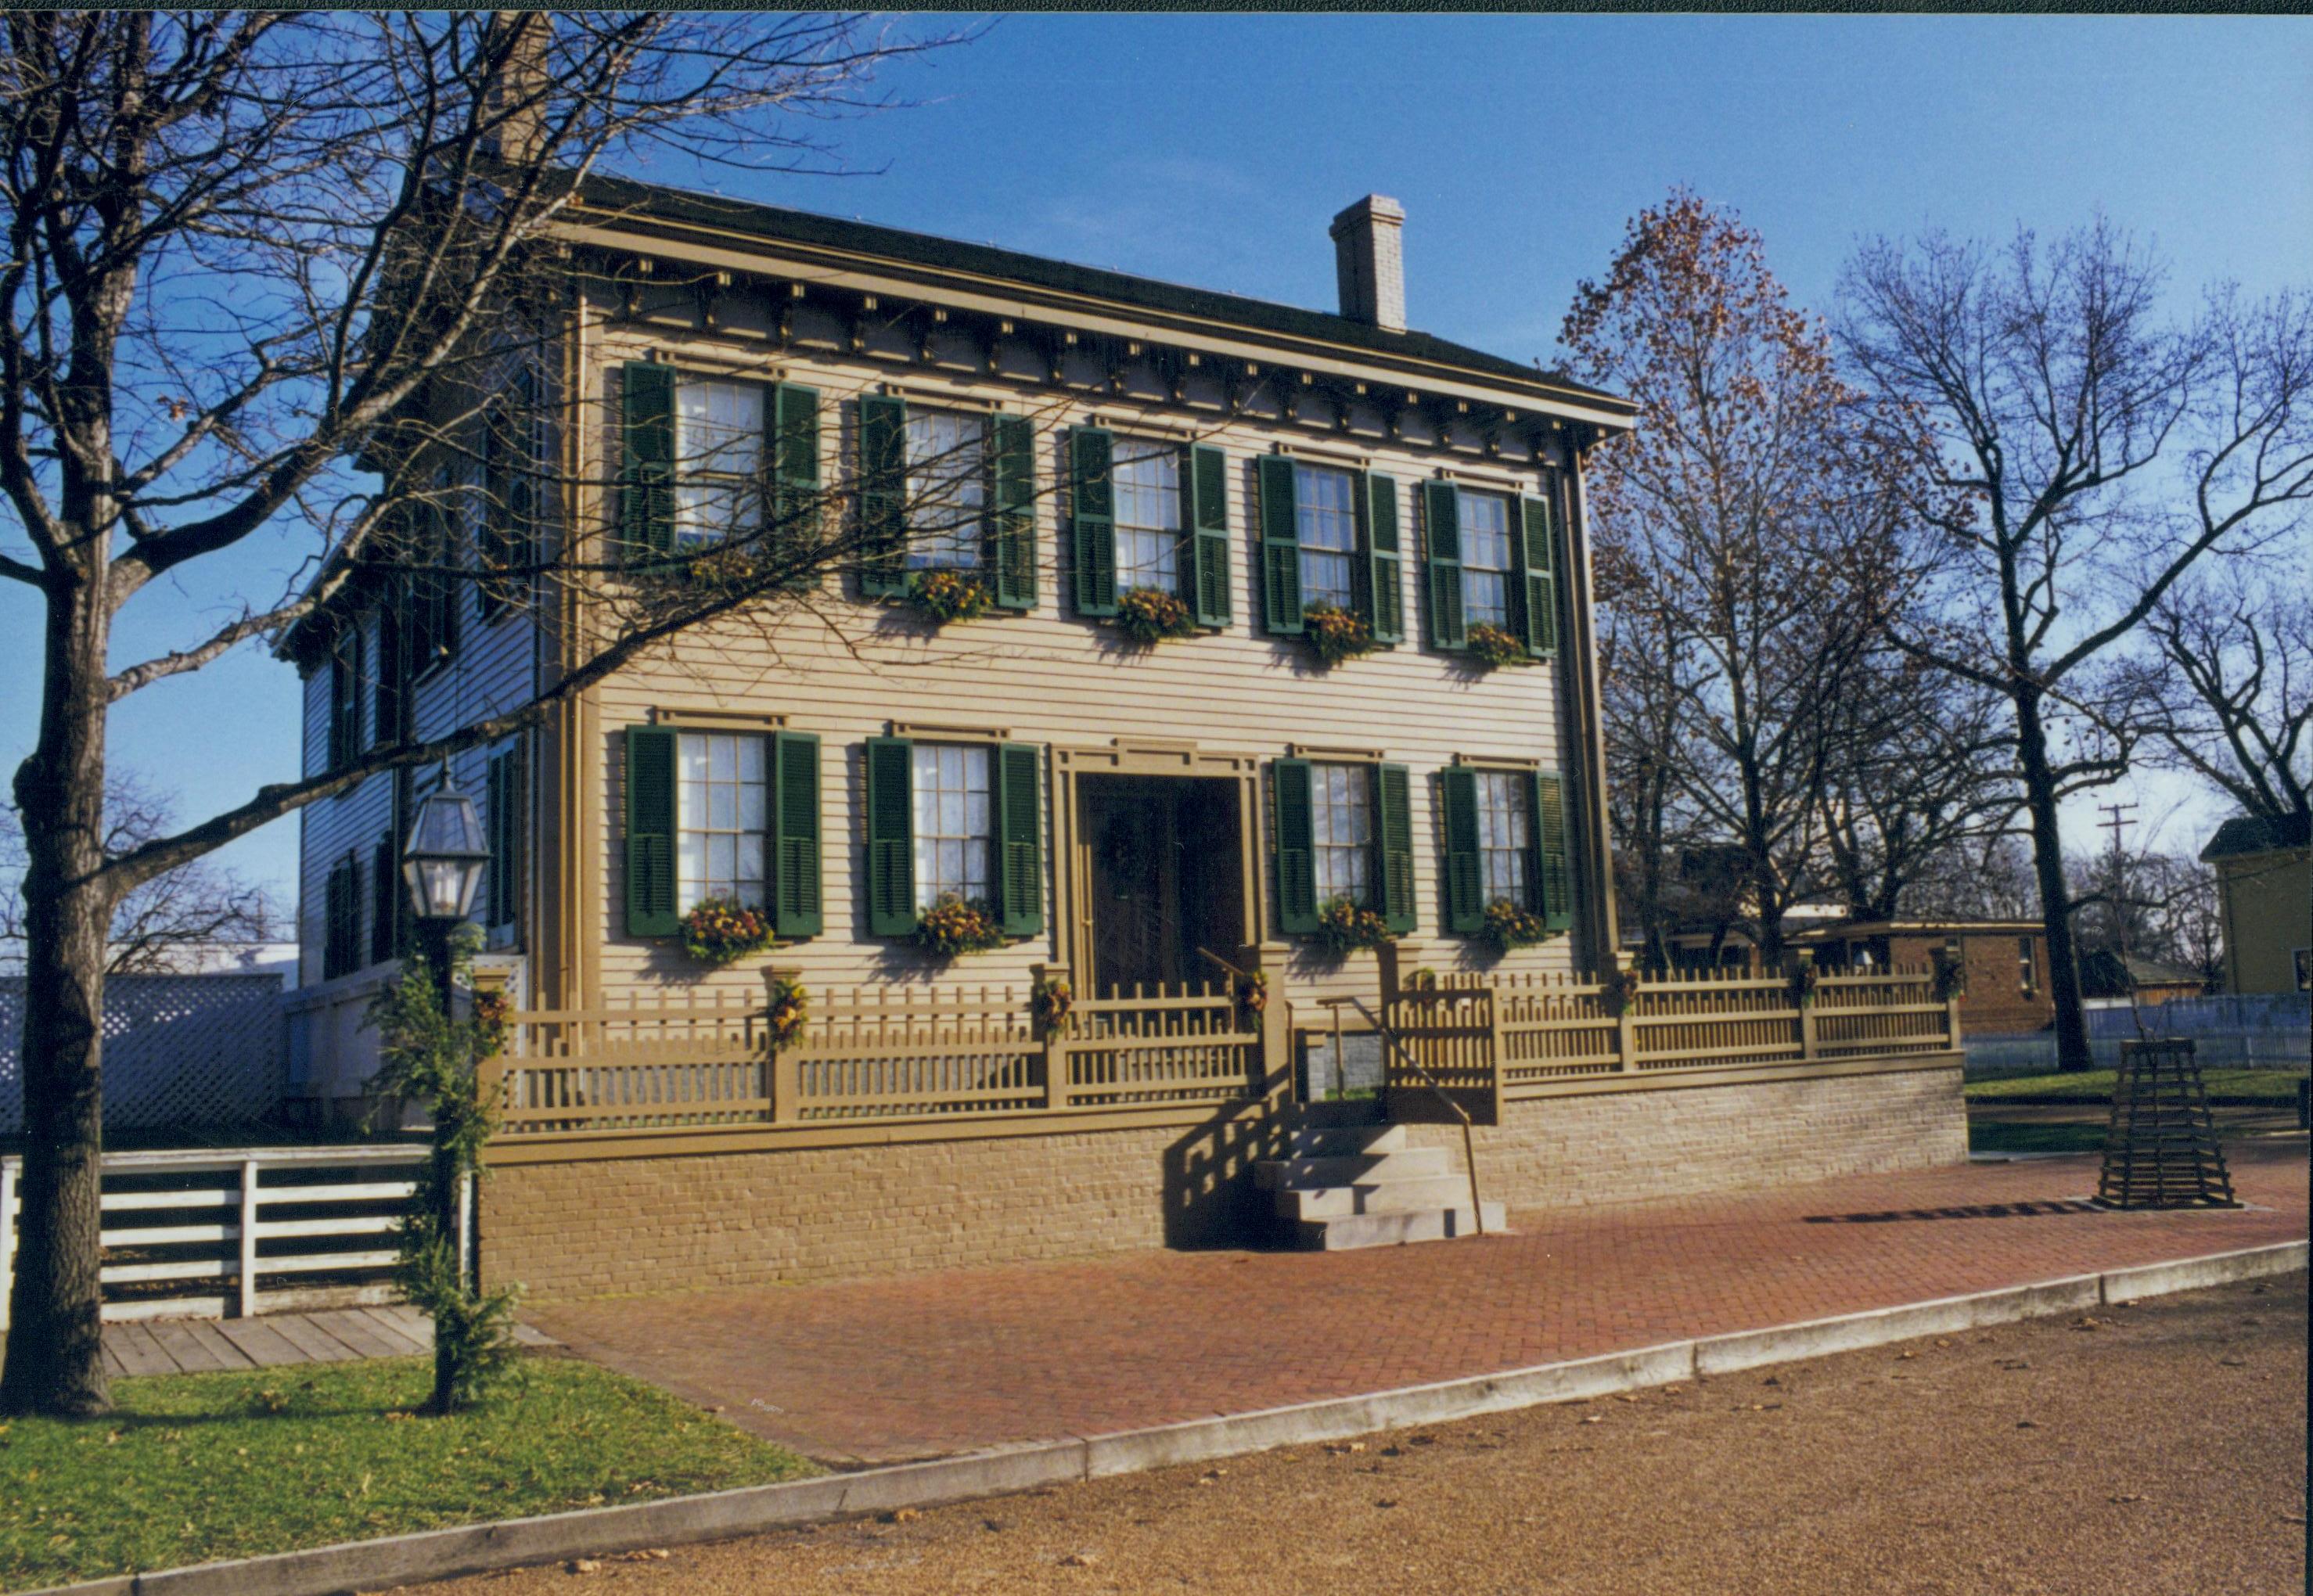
2228,1082
2037,1136
197,1466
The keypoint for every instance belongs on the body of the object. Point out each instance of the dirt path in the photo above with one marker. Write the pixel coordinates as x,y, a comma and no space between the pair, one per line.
2153,1448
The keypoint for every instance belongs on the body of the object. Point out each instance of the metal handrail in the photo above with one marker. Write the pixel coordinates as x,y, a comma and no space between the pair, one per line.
1436,1088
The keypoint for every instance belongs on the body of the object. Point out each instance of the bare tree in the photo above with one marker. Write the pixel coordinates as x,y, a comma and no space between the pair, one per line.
1985,879
260,267
2090,452
1750,547
2226,695
160,926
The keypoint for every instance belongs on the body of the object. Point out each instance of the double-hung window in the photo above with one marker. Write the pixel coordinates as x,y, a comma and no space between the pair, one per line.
721,810
1147,477
1505,836
946,489
961,819
1486,564
2027,967
718,475
1324,509
1342,830
951,822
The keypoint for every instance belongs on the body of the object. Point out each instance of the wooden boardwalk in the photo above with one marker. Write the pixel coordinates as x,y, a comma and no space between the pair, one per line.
274,1340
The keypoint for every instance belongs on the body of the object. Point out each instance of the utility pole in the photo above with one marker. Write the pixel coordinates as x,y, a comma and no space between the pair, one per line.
2117,818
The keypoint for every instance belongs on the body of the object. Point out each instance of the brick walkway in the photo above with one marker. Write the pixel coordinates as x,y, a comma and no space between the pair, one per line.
933,1363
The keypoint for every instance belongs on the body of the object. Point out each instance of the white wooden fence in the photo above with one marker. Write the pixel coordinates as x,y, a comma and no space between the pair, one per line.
241,1231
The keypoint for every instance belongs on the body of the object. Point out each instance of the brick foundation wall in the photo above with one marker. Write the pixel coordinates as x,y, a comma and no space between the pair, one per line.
1573,1152
613,1226
649,1224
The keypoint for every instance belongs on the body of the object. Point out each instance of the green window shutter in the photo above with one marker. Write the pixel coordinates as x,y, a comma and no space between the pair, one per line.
796,904
389,686
1441,527
1549,866
1280,548
882,496
385,892
793,531
1092,520
345,696
1296,847
891,837
1465,878
1537,552
650,832
1204,517
1384,559
498,806
646,468
1394,828
1012,512
1019,873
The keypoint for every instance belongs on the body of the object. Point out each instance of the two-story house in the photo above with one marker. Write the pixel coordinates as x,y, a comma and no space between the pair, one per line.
1185,646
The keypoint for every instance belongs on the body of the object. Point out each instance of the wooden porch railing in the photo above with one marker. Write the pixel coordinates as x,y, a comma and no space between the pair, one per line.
1491,1038
874,1053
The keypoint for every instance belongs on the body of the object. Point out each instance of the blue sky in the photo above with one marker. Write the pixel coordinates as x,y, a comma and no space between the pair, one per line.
1214,151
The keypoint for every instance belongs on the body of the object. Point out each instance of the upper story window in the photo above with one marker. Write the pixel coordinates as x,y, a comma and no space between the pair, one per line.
1147,478
719,459
946,489
1486,561
1505,835
721,809
1341,829
1325,507
951,822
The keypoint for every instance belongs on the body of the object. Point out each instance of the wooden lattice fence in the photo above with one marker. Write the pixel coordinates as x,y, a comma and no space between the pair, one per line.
179,1051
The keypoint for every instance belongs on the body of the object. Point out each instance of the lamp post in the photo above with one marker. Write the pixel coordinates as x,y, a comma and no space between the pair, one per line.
442,863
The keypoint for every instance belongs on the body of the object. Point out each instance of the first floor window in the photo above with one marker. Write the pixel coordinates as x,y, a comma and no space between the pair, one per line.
946,489
1485,519
721,805
1325,508
951,822
2027,967
505,820
718,438
1505,835
1341,829
341,920
1147,484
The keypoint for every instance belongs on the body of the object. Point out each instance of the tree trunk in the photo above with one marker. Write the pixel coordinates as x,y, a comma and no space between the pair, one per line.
55,1363
2073,1052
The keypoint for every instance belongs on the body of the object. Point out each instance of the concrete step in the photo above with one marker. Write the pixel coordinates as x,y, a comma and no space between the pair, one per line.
1346,1141
1392,1230
1272,1174
1374,1197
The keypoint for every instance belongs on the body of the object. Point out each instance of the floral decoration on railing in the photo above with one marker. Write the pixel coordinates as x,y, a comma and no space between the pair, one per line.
722,930
1335,633
1618,989
955,925
1493,647
1252,992
1508,924
946,595
790,1006
493,1013
1150,615
1424,979
1345,926
1049,1000
1805,977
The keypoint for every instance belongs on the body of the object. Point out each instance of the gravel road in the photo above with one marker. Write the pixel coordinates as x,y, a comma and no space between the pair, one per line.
2160,1447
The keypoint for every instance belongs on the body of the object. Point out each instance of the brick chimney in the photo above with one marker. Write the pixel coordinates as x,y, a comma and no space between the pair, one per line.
1368,261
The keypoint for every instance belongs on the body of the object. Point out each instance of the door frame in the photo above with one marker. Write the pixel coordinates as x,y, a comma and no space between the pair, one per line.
1143,756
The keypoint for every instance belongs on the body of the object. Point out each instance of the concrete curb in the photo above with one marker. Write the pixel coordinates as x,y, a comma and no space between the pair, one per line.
605,1531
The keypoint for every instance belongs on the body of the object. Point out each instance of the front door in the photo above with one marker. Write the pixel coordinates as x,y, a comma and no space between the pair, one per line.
1163,875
